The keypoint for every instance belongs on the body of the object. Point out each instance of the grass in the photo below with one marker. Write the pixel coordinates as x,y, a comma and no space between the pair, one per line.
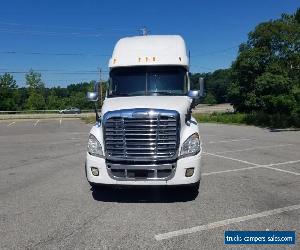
256,119
228,118
89,119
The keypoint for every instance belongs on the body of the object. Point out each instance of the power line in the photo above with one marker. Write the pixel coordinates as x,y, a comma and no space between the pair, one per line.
11,52
15,28
61,26
202,67
58,72
216,52
51,33
51,54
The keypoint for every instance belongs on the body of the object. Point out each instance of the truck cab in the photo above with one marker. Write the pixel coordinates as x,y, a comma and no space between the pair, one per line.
145,134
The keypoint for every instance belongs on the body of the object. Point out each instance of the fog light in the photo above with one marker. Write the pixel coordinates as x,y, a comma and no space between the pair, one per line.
189,172
95,171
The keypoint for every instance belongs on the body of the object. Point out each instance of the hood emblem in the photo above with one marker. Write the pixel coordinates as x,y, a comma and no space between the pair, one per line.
144,114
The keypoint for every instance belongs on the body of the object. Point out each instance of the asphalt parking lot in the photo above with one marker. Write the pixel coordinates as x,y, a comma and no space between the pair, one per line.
250,181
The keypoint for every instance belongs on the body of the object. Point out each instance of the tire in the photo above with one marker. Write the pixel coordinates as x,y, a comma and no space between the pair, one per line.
93,185
196,186
193,188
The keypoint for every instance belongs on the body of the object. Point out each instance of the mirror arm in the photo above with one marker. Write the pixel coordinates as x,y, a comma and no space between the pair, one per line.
96,111
188,115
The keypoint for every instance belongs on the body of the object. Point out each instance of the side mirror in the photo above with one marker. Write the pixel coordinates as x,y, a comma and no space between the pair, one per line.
92,96
194,94
201,87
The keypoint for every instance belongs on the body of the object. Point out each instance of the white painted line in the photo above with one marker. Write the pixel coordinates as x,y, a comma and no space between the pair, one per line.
281,163
60,121
231,170
234,140
222,223
282,170
253,148
78,133
11,124
269,166
36,123
233,159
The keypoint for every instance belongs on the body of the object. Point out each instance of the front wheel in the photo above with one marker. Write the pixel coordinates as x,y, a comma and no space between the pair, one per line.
193,188
93,185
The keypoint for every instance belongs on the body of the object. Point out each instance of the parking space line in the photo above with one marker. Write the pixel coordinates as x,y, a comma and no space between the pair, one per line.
208,135
36,123
268,166
230,170
60,121
233,140
11,124
282,170
271,166
222,223
281,163
233,159
253,148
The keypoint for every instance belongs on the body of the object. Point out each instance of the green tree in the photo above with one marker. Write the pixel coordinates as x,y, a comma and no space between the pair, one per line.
34,81
8,92
210,99
54,101
36,89
216,85
266,73
35,101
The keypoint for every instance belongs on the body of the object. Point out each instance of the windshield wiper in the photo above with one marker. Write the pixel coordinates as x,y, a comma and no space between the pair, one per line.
120,94
161,92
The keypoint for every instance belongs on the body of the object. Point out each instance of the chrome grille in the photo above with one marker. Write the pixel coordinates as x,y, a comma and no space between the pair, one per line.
141,134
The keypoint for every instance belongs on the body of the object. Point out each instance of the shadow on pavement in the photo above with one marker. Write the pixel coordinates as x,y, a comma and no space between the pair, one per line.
143,194
284,129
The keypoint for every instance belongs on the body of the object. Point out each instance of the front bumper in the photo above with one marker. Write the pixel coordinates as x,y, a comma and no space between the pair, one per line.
178,178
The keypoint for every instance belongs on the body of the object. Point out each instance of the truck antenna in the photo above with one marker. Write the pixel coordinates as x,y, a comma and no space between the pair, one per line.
144,31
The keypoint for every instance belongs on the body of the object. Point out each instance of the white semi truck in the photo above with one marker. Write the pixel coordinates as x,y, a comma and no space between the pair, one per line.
145,134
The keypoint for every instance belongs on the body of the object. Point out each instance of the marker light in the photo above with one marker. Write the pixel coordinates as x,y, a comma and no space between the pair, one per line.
95,171
189,172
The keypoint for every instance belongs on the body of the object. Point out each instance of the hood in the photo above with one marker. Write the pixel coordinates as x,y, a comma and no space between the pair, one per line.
179,103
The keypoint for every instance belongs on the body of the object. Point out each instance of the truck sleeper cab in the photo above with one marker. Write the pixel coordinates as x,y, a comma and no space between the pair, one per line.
146,134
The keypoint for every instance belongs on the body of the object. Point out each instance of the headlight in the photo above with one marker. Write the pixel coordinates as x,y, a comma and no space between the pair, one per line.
94,147
191,146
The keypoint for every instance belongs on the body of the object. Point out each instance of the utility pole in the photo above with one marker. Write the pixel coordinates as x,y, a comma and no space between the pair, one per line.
100,83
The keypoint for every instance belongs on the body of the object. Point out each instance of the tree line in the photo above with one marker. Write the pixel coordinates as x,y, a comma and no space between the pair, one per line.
35,96
264,80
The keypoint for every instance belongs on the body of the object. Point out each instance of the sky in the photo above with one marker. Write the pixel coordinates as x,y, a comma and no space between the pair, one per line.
68,41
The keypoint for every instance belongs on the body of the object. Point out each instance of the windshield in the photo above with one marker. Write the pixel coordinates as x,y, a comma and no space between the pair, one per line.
133,81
